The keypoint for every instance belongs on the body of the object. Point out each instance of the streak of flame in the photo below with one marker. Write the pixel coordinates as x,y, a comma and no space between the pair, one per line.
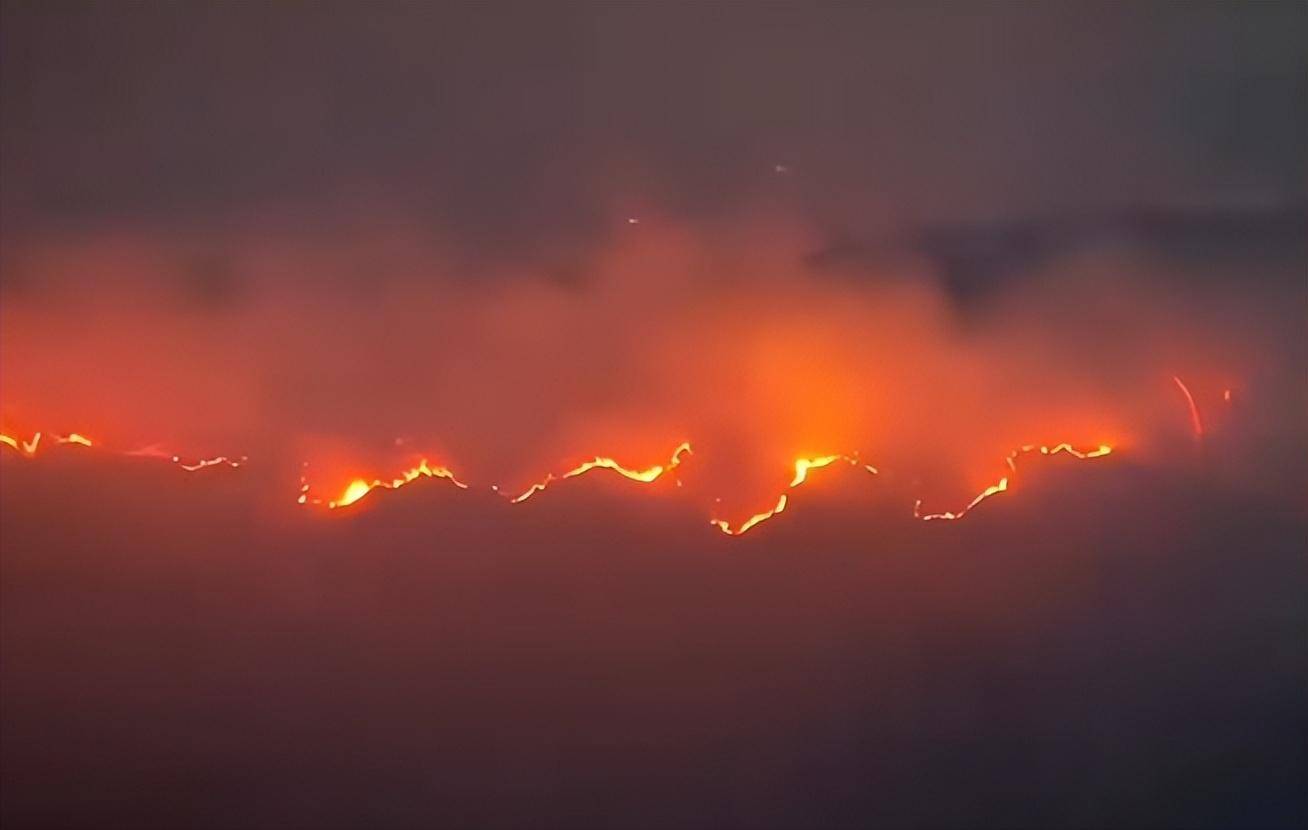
758,518
604,463
1001,486
28,447
1196,423
154,451
359,487
802,467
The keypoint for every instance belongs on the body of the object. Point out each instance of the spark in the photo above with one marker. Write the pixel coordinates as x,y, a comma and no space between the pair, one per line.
1196,422
604,463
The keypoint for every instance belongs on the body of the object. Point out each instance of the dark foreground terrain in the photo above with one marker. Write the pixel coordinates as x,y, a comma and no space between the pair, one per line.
1113,646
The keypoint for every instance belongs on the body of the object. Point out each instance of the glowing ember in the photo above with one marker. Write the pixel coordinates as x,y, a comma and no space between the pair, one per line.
154,451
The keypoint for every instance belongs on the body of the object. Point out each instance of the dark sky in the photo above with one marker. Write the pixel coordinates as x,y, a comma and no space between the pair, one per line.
508,125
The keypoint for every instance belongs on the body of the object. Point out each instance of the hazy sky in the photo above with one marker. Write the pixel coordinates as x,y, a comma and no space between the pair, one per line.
515,126
181,181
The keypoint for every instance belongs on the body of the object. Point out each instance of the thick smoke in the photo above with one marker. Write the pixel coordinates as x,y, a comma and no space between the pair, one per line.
359,347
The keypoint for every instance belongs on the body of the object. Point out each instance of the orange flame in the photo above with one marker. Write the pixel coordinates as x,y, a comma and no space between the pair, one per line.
802,467
757,518
29,448
1001,486
358,488
604,463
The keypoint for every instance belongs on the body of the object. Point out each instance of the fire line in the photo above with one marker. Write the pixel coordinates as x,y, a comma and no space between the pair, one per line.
358,488
602,463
